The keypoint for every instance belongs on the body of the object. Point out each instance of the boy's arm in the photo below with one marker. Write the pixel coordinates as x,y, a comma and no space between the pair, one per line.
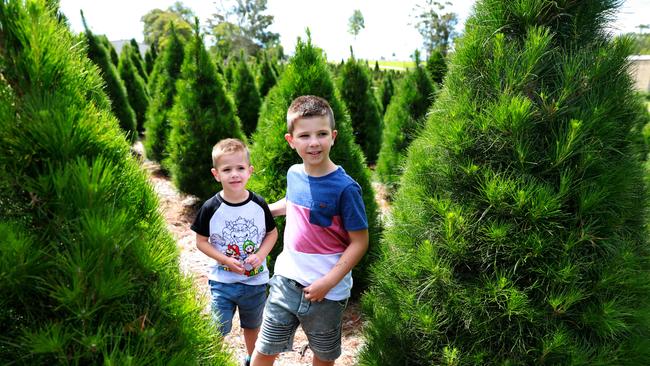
279,208
204,246
257,259
350,257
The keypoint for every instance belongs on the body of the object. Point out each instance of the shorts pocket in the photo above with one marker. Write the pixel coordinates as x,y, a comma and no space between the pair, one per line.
321,213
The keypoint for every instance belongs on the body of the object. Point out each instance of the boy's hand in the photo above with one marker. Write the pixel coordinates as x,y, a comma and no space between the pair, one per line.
254,260
318,289
234,265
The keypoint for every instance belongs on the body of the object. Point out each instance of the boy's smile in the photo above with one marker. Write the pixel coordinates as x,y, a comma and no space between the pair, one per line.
233,172
313,138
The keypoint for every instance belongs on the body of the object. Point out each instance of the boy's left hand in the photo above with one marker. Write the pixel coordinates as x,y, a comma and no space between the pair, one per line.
317,290
254,260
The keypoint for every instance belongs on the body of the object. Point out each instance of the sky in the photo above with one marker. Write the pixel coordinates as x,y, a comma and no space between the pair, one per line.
388,32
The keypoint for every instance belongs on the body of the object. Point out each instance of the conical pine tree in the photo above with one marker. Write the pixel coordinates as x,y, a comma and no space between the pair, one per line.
135,86
386,91
203,114
247,96
436,66
89,274
403,121
307,74
162,88
267,77
115,88
356,91
150,58
518,234
136,59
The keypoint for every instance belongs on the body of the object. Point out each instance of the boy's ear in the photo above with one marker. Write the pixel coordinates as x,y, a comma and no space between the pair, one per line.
289,138
252,169
334,133
214,174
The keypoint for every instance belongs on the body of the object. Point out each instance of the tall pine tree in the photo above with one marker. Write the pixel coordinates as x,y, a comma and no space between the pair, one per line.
203,114
162,86
403,121
266,77
307,74
115,88
518,234
136,59
135,86
89,275
247,96
355,85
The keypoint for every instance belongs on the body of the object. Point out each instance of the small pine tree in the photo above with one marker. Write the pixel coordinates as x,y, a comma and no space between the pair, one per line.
110,48
247,96
162,86
266,77
307,74
89,274
403,121
436,66
135,86
386,91
356,91
114,85
203,114
136,59
150,59
518,234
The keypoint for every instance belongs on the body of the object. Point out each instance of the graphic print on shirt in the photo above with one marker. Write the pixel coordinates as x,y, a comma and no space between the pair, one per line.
240,236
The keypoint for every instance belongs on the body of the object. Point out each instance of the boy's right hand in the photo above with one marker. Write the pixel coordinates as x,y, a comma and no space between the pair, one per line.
235,265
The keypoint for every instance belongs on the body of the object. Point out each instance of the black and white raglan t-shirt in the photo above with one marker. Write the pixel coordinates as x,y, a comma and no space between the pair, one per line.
237,230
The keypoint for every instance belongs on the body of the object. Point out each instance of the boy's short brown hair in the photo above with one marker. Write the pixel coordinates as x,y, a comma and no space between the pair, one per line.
308,106
229,146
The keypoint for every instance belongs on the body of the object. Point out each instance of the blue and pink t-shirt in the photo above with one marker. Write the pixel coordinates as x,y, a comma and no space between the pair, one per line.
320,213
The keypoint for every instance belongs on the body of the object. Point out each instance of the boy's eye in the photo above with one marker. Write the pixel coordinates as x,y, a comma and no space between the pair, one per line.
322,134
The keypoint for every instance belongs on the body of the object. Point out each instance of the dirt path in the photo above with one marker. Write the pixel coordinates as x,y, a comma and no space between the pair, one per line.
179,211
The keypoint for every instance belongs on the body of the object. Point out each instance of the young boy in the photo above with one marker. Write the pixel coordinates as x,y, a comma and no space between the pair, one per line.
235,227
326,235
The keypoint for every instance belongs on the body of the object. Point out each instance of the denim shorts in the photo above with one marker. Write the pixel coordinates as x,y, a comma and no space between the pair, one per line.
226,297
287,307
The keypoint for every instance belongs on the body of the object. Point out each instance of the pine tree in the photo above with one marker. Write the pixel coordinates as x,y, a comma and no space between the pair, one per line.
110,48
356,91
267,76
246,94
136,59
162,88
386,91
150,58
436,66
307,74
89,274
518,234
403,121
135,86
203,114
114,85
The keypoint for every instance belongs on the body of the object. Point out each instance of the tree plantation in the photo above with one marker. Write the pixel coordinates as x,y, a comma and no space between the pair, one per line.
503,175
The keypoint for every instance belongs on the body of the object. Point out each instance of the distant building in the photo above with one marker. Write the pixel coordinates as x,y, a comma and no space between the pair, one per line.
640,71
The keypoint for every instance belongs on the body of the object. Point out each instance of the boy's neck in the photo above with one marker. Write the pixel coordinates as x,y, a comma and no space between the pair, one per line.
320,170
234,197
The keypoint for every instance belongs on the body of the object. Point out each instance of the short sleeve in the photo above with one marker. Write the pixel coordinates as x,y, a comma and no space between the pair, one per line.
353,211
269,222
201,223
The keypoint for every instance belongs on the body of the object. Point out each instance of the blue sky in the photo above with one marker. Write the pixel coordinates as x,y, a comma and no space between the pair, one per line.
387,30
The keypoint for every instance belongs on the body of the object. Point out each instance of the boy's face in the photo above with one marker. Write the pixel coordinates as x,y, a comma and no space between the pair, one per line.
312,138
233,171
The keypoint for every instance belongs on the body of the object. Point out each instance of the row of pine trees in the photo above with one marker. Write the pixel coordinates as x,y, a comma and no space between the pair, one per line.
516,233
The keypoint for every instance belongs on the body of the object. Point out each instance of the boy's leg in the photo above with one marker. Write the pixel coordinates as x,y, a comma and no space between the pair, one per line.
251,307
322,323
222,305
280,321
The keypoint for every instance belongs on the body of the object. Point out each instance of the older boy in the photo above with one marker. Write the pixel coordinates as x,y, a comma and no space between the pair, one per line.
326,235
235,227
